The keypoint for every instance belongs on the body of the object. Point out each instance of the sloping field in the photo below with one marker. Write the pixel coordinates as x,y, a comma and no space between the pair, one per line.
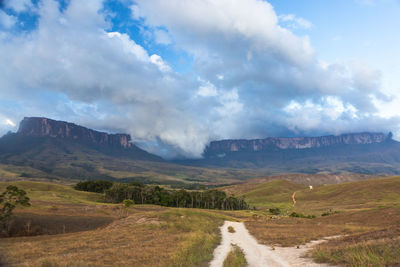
384,192
147,237
276,193
54,193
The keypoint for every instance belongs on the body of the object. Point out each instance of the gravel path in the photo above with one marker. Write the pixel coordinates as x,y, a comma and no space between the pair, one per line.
257,254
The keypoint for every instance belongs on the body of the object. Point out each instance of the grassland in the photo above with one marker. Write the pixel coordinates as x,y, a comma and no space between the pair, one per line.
271,194
366,214
143,235
149,236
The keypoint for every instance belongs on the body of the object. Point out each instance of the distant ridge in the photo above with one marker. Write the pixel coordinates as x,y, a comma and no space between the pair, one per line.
271,143
362,153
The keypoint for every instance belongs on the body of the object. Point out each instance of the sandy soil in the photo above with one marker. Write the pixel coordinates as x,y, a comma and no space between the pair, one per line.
257,254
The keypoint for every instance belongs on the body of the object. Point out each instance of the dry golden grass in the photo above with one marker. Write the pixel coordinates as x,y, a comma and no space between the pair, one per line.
126,242
376,248
286,231
149,237
362,207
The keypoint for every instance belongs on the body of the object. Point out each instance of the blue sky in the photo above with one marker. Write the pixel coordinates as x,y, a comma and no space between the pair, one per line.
176,74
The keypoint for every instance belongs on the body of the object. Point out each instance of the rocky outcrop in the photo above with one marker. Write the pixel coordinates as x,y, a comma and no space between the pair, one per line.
267,144
43,127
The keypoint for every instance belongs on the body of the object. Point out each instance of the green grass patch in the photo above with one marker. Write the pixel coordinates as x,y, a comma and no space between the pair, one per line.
235,258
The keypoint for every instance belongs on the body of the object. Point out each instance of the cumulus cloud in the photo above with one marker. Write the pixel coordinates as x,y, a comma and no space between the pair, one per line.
252,77
245,44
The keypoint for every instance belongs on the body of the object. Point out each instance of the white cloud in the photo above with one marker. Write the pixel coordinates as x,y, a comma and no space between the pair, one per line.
160,63
207,89
129,46
294,22
7,21
19,5
162,37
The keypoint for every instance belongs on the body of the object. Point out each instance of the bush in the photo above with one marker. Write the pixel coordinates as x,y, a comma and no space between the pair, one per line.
275,211
128,202
301,215
327,213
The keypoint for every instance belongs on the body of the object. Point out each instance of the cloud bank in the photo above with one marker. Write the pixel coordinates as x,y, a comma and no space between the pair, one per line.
251,76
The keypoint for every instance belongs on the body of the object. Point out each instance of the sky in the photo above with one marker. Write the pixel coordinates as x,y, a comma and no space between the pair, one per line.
178,74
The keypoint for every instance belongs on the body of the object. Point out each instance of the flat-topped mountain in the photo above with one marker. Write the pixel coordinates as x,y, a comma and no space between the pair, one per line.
44,127
267,144
365,153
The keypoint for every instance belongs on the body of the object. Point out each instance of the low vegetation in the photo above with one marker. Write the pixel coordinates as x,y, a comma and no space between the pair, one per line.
235,258
301,215
275,211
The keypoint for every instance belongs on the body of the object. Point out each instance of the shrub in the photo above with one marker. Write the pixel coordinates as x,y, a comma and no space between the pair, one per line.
327,213
128,202
275,211
301,215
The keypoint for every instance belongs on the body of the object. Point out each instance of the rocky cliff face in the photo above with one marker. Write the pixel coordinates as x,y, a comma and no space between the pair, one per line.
227,146
41,127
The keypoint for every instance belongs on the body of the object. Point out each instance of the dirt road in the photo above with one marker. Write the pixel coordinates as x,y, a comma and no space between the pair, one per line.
255,253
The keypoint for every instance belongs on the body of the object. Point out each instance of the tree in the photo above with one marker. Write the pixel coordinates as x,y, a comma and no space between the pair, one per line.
9,200
98,186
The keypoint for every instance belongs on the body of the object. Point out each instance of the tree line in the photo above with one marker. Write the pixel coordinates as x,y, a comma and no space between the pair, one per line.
149,194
